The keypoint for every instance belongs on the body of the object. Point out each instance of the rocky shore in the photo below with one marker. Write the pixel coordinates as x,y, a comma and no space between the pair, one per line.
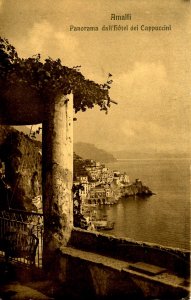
135,188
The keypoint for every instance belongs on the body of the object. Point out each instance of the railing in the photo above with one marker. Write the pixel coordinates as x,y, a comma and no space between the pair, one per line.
22,221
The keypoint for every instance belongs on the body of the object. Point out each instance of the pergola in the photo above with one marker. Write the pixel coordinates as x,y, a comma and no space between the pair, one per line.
32,92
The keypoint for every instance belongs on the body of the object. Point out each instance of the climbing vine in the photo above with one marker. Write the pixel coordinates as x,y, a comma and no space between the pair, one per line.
49,78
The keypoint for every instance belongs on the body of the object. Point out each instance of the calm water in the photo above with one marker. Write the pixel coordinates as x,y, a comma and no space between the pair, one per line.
163,218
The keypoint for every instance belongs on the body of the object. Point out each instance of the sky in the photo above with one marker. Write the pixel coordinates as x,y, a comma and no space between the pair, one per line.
150,70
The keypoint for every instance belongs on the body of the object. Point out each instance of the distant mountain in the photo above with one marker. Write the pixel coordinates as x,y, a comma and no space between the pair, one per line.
85,150
89,151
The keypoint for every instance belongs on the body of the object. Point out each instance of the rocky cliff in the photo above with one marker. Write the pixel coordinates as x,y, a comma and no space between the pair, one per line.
136,188
20,164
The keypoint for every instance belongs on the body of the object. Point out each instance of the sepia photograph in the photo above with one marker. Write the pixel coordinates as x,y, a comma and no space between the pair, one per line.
95,149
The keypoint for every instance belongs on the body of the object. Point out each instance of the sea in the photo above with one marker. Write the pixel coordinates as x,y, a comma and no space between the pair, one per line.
163,218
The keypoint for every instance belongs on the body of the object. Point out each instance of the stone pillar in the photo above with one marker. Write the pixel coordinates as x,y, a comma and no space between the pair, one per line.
57,175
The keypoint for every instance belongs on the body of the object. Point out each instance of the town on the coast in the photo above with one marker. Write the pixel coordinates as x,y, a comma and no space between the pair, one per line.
95,185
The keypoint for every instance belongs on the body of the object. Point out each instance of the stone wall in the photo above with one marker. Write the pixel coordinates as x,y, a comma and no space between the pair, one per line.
176,260
88,275
98,266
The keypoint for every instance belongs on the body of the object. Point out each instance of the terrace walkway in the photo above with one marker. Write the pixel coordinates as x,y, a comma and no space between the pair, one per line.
18,282
21,283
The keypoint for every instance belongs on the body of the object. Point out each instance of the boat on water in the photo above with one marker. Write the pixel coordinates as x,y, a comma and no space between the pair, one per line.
96,221
103,224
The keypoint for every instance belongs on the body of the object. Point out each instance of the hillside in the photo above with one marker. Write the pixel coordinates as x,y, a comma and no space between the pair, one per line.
20,159
89,151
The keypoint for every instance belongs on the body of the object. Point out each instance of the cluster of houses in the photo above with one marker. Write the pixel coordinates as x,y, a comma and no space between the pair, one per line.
99,184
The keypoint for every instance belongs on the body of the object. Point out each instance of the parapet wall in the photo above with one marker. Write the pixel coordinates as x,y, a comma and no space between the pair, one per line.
99,266
175,260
